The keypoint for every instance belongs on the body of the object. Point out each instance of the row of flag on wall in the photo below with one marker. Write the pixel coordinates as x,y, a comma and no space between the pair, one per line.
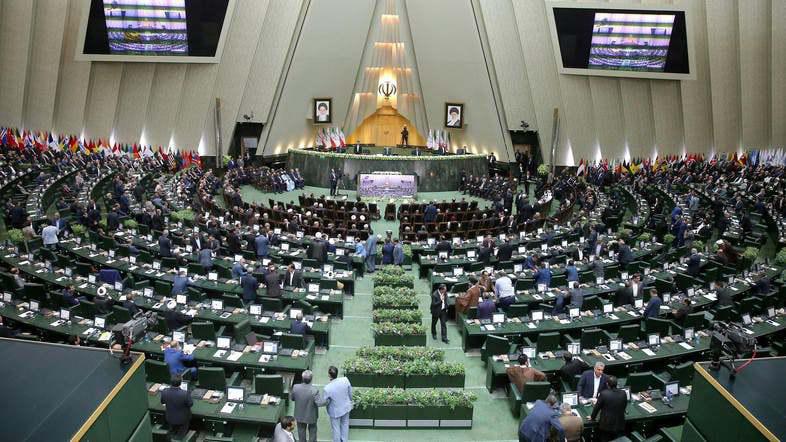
330,137
752,157
438,138
14,139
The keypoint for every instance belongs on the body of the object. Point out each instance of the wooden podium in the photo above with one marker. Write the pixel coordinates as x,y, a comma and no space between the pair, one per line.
383,128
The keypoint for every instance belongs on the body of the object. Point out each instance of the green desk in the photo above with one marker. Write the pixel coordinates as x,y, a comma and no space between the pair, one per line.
267,415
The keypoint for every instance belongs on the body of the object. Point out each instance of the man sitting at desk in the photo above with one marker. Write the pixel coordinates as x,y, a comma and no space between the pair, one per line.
694,263
572,368
506,295
487,307
443,246
299,326
177,403
206,259
519,375
130,305
180,282
174,358
239,268
592,382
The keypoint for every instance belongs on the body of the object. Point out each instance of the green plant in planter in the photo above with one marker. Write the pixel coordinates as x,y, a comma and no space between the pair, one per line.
668,239
750,254
399,291
780,258
624,233
543,170
182,215
16,236
396,315
698,244
407,250
103,224
78,230
393,301
646,237
130,224
390,270
402,280
396,328
401,353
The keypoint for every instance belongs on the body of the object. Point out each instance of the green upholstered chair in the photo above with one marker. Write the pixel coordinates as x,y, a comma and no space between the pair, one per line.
295,342
593,337
495,345
212,378
203,330
645,380
157,372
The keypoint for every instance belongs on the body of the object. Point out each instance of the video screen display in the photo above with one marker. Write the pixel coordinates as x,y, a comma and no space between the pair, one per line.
622,40
146,27
155,28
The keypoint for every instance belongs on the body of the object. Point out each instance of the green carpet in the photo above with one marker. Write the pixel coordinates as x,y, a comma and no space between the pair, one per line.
492,421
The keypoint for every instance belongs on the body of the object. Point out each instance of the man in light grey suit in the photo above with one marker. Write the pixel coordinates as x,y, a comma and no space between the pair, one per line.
337,396
306,411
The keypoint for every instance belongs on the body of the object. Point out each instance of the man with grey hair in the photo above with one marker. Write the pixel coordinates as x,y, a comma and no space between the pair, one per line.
540,421
306,411
592,382
571,424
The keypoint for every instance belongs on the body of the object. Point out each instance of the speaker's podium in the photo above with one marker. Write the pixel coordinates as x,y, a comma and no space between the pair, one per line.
55,392
750,406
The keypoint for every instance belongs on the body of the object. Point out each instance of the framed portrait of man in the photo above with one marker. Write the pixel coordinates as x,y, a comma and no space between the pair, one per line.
454,115
322,110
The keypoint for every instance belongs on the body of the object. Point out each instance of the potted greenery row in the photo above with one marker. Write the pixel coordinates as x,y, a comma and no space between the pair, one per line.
394,280
394,301
401,353
397,404
418,373
408,316
393,333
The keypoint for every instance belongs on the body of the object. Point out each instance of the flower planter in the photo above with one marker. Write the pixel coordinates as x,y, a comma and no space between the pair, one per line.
415,340
458,417
361,417
421,417
362,380
390,416
400,340
391,380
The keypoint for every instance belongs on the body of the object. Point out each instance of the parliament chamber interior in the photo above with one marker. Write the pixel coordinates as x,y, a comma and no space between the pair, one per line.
393,220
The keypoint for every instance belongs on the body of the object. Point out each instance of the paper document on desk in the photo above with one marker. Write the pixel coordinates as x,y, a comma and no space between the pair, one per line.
324,297
188,348
219,354
686,346
624,355
648,352
647,407
235,355
228,407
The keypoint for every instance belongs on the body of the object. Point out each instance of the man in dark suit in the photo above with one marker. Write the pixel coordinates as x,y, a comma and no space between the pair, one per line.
249,284
293,278
178,405
484,254
725,294
318,251
165,245
333,182
694,263
439,312
272,282
443,246
611,405
572,368
430,213
592,382
624,255
298,326
197,242
306,411
505,251
653,306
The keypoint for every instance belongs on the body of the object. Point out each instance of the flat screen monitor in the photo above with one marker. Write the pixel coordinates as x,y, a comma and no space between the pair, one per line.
672,388
327,268
147,292
175,31
270,347
181,299
458,271
313,287
293,313
99,322
537,315
615,345
217,304
443,255
178,336
212,276
574,312
235,394
746,319
529,351
574,348
653,339
7,297
518,268
571,399
255,309
498,318
340,252
65,314
471,254
608,308
223,342
284,247
430,241
91,279
638,303
689,334
34,305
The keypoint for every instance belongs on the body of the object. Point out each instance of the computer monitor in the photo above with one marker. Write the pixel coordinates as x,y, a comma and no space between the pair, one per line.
672,388
653,339
770,312
574,347
118,286
458,271
544,247
571,284
624,276
498,318
99,322
518,268
284,246
571,399
69,271
223,342
574,312
147,292
529,351
7,297
731,279
294,312
627,392
746,319
443,255
299,235
690,291
217,304
313,287
666,297
340,252
270,347
350,239
181,299
689,334
34,305
179,336
238,258
132,259
537,315
489,270
235,394
277,230
479,239
326,268
255,309
265,261
615,345
471,254
502,236
212,276
156,265
298,265
608,308
183,270
541,288
522,250
430,241
65,314
456,240
638,303
599,280
91,279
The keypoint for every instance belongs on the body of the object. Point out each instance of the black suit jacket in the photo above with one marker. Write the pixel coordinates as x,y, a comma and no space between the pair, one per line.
318,251
611,405
272,281
505,252
624,296
571,369
293,280
436,303
178,405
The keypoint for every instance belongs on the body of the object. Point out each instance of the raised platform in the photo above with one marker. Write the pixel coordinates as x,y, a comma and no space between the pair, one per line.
436,173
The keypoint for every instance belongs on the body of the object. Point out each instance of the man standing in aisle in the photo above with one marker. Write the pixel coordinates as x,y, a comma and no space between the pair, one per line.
371,253
333,182
439,312
337,396
306,412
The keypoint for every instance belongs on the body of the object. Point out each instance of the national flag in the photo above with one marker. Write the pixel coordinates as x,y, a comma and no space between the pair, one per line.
342,138
197,159
582,167
430,139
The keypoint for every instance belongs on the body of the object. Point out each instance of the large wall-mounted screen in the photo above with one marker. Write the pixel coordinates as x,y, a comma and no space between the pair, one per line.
189,31
621,42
